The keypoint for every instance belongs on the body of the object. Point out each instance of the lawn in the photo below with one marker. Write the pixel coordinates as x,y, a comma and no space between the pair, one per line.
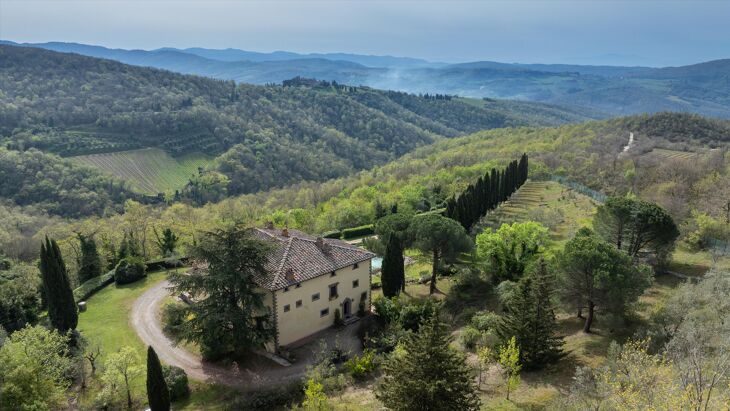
106,323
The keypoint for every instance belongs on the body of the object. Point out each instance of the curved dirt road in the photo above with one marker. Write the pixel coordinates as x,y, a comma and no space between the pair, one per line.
261,371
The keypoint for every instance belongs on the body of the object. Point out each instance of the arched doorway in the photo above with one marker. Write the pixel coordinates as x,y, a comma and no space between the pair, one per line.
347,308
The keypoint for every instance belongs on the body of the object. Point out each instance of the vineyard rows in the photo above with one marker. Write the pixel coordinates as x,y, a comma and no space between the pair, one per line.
149,170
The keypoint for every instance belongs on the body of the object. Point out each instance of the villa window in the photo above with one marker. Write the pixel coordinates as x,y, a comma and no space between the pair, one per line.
355,283
333,291
287,308
354,267
299,303
324,312
333,273
299,285
315,297
286,289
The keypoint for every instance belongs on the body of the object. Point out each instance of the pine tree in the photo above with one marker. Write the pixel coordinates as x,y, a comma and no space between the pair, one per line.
89,261
158,395
59,297
531,320
393,271
429,375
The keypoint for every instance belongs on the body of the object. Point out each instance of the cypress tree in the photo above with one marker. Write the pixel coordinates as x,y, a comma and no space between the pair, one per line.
59,297
158,395
430,376
531,320
89,261
393,272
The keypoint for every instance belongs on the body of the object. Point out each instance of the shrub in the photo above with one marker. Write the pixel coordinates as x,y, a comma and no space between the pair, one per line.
173,317
337,234
470,337
338,318
284,396
485,321
129,270
360,231
361,366
92,286
177,382
361,309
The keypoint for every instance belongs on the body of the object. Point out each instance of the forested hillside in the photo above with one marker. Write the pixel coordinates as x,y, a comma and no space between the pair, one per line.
266,136
699,88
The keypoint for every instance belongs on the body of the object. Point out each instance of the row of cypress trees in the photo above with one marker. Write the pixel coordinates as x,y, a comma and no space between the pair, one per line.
487,193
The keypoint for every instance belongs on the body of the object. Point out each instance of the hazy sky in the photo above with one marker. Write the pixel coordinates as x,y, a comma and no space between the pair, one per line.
589,32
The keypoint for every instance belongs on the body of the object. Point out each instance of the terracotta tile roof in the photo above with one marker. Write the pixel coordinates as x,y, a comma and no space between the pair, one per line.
299,257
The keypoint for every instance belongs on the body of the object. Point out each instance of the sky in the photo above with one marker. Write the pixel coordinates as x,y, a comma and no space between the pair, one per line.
651,32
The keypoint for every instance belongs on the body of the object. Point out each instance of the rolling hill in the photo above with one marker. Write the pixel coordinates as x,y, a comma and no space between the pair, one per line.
702,88
262,136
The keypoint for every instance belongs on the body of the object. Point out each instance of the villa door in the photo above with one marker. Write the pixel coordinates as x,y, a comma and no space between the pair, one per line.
347,308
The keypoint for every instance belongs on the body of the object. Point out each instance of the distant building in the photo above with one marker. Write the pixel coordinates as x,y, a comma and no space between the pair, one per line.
308,279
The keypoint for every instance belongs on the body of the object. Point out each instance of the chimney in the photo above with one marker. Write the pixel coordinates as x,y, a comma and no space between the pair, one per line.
285,232
319,242
289,275
270,225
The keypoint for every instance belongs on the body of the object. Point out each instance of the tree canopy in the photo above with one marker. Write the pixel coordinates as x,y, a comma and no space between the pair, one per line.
440,236
596,274
428,374
229,314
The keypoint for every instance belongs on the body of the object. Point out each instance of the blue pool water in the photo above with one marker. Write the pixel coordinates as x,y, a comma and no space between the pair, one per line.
377,263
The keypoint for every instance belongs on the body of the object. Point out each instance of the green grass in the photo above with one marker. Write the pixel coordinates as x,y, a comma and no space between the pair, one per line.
148,170
106,323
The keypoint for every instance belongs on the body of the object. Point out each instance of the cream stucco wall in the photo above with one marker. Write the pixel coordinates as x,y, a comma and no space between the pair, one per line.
303,321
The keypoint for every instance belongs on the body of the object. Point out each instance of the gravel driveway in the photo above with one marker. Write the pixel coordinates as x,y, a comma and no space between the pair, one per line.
258,373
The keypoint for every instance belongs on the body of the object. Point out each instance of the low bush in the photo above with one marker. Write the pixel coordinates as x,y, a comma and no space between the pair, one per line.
280,397
338,322
337,234
361,366
360,231
173,317
470,337
177,382
129,270
92,286
485,321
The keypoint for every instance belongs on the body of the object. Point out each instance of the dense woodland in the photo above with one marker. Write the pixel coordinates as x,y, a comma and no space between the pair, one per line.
266,136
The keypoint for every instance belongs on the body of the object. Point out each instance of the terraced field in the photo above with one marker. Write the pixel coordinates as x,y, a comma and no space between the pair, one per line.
149,170
556,206
674,154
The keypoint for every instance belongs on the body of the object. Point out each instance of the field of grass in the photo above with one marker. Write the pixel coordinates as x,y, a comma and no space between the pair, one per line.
557,207
106,324
149,170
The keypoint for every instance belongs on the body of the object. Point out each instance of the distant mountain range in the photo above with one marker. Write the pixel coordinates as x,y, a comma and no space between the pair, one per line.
701,88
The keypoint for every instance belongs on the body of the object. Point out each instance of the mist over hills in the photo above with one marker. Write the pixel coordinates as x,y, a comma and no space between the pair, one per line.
702,88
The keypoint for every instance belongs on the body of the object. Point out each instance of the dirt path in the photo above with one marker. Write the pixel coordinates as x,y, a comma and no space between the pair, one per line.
631,142
261,372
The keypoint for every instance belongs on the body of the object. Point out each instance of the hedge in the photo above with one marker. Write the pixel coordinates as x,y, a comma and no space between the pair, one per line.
165,263
361,231
332,234
89,288
129,270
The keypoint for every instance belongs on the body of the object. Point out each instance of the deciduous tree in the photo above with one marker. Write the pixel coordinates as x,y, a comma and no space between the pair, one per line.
595,273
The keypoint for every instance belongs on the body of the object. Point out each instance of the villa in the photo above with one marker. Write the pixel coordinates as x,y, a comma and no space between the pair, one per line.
308,279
